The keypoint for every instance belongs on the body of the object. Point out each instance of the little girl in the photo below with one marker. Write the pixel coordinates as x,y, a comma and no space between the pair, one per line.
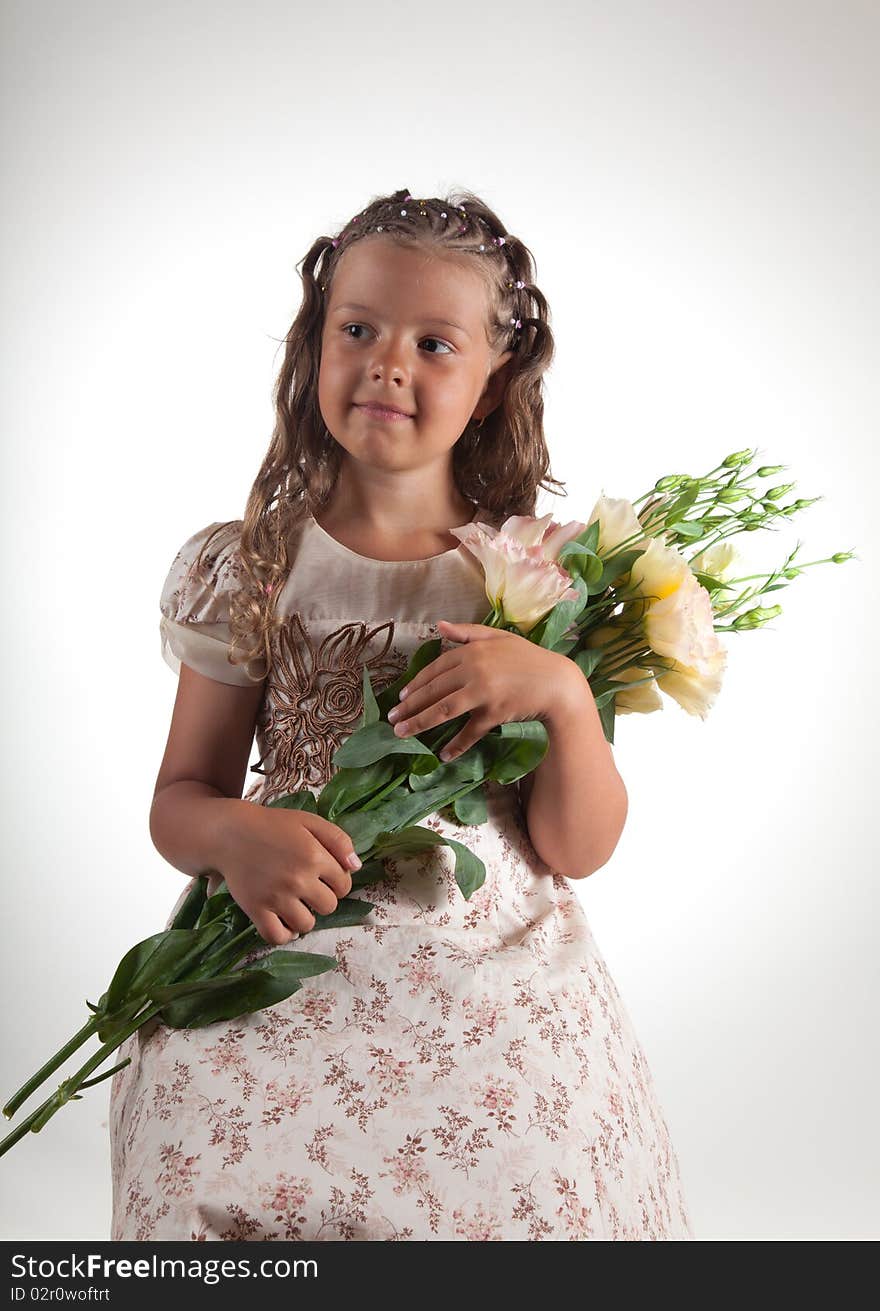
469,1070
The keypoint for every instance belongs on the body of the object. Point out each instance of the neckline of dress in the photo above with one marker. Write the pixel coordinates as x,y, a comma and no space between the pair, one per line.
371,559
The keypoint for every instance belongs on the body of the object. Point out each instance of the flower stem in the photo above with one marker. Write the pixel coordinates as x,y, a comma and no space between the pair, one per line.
69,1087
91,1026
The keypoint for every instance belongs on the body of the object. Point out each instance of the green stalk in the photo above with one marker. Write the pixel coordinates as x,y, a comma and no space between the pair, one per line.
206,967
239,946
91,1026
69,1087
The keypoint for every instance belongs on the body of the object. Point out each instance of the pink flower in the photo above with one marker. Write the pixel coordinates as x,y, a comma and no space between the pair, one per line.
523,580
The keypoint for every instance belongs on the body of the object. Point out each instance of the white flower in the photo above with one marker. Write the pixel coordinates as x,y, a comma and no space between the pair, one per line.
716,560
617,522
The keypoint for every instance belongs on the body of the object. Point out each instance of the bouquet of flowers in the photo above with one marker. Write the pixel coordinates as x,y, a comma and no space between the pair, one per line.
618,595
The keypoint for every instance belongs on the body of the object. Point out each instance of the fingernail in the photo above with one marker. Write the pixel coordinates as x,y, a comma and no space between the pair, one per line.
353,861
393,713
402,693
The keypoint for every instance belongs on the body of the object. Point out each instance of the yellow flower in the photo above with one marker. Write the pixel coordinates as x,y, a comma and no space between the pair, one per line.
694,690
678,622
639,700
635,700
523,580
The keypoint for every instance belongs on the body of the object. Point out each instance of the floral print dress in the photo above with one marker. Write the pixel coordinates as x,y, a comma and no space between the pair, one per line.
469,1071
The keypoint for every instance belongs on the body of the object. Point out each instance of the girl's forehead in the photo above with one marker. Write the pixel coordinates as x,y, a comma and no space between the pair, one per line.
377,258
376,269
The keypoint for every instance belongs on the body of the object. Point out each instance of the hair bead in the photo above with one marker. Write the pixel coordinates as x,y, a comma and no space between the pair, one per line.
498,241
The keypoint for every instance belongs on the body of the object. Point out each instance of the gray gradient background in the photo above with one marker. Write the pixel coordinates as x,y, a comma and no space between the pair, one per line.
698,183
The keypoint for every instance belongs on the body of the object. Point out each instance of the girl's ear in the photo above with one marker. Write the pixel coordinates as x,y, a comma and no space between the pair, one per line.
495,385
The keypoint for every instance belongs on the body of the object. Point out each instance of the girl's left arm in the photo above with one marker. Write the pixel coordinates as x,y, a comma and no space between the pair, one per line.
575,802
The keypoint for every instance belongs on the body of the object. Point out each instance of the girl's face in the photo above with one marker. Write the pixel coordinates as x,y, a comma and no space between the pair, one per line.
407,329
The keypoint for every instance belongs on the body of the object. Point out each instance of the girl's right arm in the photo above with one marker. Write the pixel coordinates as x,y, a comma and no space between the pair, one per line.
279,865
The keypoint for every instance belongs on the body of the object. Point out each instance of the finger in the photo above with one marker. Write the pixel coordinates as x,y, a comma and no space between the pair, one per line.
473,731
319,898
333,839
426,695
297,916
340,880
438,712
273,930
427,675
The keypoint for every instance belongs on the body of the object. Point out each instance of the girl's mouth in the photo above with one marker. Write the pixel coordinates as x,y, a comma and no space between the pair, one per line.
378,412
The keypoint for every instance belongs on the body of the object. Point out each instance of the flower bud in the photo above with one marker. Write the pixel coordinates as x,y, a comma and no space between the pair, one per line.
757,616
840,557
737,458
776,493
768,470
791,573
666,484
728,495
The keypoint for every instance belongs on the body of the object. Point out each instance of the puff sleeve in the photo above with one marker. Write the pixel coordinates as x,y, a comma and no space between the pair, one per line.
194,606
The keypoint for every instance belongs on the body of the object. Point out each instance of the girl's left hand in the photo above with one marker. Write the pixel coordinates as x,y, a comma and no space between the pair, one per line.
497,675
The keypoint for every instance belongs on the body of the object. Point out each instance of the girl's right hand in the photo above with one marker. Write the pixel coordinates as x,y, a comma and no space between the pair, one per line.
281,865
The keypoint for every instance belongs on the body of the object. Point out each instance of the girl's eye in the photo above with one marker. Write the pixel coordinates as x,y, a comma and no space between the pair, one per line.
435,339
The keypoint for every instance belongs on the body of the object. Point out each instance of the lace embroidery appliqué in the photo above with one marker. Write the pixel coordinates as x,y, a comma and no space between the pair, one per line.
314,699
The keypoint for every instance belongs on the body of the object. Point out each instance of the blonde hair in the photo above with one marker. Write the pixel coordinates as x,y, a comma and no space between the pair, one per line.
499,466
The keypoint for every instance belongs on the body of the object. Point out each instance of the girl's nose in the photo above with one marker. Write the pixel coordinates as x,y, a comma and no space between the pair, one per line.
389,361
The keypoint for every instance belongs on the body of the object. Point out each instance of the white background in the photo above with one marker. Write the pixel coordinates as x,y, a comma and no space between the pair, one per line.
698,184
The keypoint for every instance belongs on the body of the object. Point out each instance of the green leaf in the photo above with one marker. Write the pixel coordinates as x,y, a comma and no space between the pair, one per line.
164,954
577,559
681,504
688,528
421,657
471,808
588,538
370,712
606,719
302,800
371,871
424,768
348,911
112,1027
564,613
189,912
515,749
363,826
588,660
453,774
267,981
615,567
350,788
216,906
470,872
375,742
